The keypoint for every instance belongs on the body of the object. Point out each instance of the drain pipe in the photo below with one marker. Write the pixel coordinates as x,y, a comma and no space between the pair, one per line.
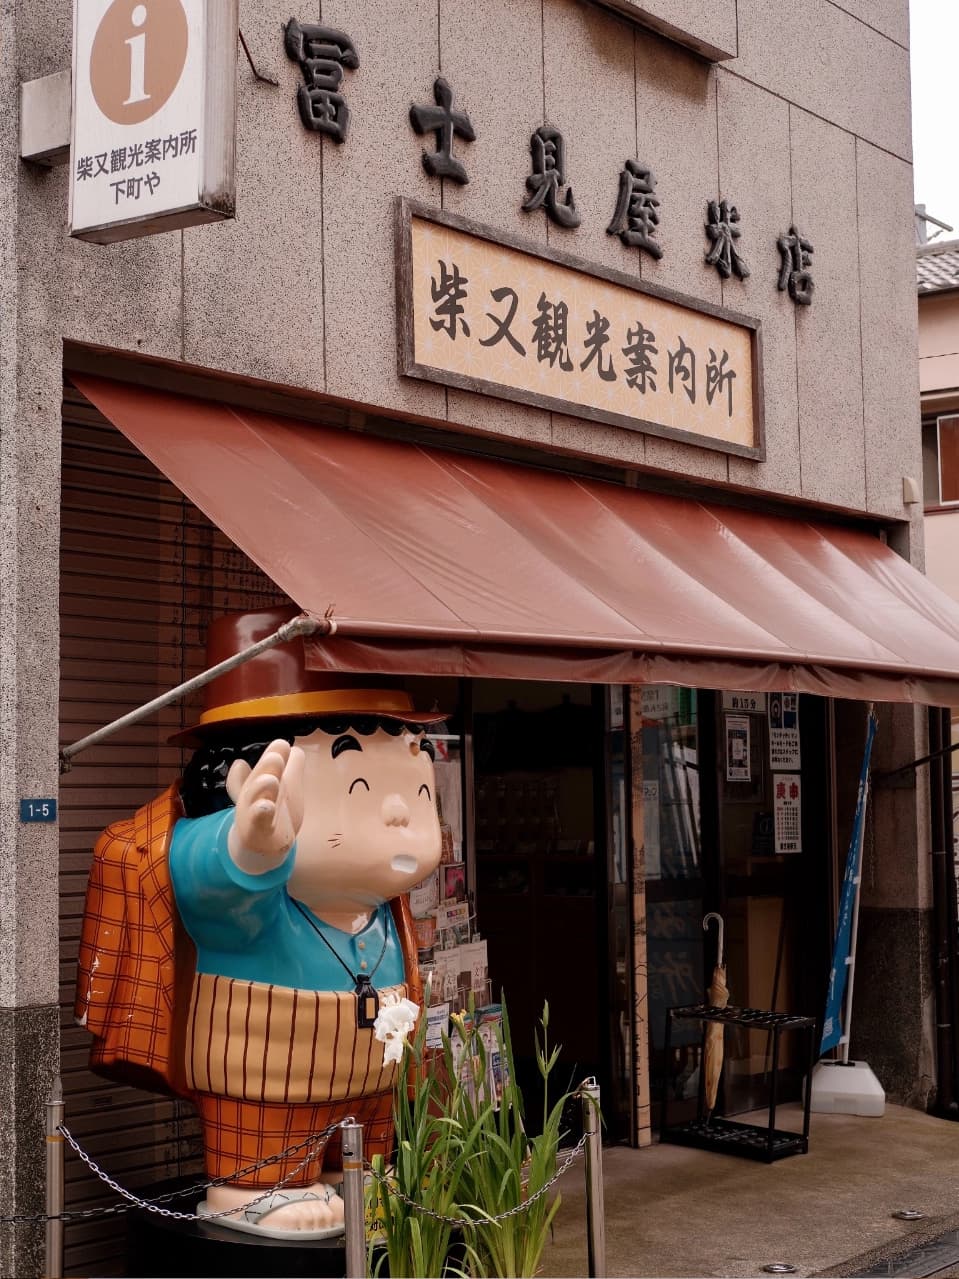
944,913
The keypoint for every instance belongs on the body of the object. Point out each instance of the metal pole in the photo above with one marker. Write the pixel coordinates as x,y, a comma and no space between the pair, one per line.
595,1210
354,1208
854,940
291,630
54,1244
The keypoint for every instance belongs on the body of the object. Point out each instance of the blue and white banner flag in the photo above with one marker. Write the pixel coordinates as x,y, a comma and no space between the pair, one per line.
832,1030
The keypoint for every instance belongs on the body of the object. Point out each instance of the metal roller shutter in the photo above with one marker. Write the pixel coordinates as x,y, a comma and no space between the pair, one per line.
142,572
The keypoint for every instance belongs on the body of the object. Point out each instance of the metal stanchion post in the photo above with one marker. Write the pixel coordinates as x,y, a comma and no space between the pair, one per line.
354,1208
54,1243
595,1210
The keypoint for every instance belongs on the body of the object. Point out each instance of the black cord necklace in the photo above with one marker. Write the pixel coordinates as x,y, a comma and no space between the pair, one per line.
367,998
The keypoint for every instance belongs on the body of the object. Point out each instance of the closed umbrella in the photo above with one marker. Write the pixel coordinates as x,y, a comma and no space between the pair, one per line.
716,997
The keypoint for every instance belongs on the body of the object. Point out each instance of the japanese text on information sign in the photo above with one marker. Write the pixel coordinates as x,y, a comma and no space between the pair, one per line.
135,164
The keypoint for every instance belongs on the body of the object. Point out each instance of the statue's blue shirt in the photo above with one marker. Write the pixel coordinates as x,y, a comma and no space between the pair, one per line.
250,928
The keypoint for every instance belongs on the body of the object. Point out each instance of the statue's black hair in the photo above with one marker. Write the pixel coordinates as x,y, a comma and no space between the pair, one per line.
203,787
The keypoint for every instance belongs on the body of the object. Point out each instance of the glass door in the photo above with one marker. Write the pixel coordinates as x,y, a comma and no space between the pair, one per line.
618,1084
774,841
676,886
536,748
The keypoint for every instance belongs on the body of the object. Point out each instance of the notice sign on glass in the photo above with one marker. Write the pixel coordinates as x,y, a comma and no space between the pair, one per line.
737,749
787,812
784,748
488,313
153,116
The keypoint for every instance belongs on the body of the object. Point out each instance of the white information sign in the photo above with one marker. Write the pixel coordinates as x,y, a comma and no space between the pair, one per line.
784,731
751,703
424,897
737,749
787,812
437,1022
153,116
446,973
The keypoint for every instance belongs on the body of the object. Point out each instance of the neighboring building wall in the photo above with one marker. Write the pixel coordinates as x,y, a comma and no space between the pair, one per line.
942,542
938,274
939,386
808,124
938,350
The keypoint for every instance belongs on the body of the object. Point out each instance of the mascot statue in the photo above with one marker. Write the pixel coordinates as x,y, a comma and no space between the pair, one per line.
243,929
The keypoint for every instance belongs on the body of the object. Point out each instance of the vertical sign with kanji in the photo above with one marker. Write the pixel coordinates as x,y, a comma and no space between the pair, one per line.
787,812
153,116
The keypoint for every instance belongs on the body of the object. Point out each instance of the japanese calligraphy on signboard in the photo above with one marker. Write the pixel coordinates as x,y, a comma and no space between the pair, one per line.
490,314
153,116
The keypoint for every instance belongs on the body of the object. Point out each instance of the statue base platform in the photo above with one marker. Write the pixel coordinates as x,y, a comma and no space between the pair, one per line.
160,1247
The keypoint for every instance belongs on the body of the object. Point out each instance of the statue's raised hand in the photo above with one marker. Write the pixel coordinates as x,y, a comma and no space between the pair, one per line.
269,807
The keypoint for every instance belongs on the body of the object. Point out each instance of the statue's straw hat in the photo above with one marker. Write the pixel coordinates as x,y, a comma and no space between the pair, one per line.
277,685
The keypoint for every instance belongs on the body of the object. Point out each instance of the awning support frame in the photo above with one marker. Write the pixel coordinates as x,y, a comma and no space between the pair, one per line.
298,627
888,773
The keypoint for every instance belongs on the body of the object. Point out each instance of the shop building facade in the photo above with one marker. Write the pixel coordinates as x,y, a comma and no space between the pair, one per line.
721,197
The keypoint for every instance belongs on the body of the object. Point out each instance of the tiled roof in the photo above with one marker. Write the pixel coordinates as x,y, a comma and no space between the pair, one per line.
937,266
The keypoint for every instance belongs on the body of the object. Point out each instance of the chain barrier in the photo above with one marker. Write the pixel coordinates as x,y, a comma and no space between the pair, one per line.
313,1145
470,1221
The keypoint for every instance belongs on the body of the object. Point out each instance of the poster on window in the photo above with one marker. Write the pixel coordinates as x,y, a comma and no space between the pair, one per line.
617,706
651,818
784,731
737,748
787,812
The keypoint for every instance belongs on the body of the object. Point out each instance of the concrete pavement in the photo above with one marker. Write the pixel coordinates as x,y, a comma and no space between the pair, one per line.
677,1212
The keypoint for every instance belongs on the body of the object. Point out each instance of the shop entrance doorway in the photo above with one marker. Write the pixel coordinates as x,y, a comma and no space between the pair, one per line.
737,809
544,865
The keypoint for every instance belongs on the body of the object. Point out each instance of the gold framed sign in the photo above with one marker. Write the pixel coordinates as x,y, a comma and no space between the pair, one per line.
483,311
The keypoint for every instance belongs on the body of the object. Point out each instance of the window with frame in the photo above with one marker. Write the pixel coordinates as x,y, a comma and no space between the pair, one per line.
940,460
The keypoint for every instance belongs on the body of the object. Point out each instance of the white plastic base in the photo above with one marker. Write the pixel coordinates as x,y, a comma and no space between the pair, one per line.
850,1089
266,1231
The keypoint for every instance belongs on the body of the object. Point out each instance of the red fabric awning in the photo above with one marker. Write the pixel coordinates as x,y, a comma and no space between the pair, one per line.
436,563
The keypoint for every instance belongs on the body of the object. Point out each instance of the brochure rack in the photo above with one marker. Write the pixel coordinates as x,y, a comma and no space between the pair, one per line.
749,1141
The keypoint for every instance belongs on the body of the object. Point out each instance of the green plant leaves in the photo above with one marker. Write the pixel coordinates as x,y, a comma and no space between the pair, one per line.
463,1153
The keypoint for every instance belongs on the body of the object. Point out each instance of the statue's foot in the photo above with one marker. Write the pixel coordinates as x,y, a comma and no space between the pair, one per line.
308,1211
316,1207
